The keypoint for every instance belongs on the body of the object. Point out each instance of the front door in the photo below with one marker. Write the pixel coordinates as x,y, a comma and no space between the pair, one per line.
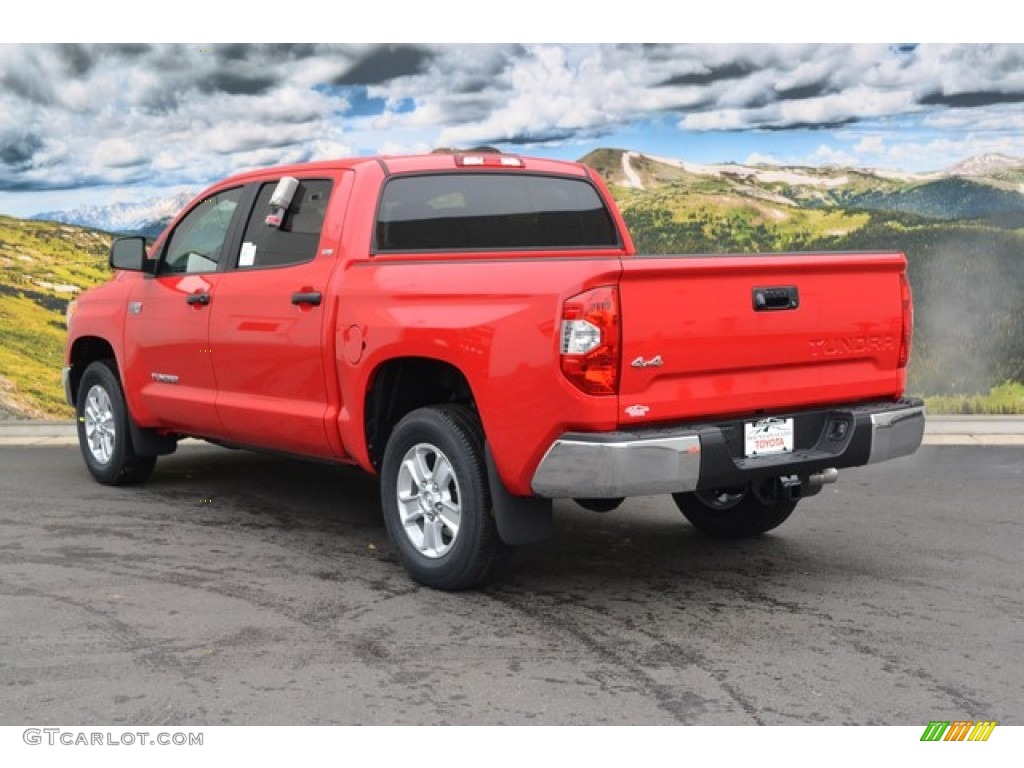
167,334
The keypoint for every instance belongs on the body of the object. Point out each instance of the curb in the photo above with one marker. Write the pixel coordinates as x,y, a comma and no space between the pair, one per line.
939,430
37,429
974,425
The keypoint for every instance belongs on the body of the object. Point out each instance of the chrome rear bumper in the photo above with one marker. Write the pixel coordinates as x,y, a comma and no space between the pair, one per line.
699,456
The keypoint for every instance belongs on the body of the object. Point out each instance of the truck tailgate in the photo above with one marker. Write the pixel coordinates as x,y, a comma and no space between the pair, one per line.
731,335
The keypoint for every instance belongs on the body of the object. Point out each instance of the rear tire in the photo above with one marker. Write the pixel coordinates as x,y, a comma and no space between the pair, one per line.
436,501
734,513
103,431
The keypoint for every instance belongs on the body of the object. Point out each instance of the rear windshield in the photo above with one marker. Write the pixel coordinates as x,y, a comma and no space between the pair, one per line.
481,211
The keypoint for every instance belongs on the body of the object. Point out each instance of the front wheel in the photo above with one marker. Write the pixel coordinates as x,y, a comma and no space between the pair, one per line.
734,513
436,500
103,433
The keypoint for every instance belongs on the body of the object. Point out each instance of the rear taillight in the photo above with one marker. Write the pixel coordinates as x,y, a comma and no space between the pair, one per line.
590,341
908,321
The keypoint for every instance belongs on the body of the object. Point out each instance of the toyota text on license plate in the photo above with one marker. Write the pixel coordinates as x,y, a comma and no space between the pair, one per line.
767,436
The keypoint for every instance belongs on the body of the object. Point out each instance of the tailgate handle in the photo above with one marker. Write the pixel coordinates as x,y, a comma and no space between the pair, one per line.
776,297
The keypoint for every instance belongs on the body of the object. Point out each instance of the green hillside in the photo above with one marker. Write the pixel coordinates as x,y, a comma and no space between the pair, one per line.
42,267
948,199
708,216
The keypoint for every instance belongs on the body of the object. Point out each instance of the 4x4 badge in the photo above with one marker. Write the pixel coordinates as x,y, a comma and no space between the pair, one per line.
654,362
134,307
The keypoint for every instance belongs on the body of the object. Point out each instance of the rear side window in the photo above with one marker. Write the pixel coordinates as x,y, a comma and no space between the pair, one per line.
296,240
480,211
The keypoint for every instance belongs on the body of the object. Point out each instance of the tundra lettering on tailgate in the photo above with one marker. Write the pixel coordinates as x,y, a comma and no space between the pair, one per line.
851,345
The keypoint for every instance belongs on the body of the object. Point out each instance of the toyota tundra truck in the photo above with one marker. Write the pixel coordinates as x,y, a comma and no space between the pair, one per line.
477,329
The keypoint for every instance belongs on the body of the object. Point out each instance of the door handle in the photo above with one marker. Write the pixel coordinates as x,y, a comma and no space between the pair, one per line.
197,298
306,297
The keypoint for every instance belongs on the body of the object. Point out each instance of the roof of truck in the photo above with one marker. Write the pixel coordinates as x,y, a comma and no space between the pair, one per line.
435,161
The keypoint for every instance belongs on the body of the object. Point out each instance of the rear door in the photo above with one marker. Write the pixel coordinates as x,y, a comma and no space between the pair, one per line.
727,335
271,331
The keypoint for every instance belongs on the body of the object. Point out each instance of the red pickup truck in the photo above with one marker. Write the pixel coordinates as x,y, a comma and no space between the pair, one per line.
478,329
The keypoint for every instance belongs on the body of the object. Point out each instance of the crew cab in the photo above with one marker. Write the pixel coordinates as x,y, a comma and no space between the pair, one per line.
478,329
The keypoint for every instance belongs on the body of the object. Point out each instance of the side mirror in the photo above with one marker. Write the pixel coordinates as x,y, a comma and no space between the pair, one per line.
129,253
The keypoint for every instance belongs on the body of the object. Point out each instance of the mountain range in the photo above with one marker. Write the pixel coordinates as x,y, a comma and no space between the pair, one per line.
146,217
984,187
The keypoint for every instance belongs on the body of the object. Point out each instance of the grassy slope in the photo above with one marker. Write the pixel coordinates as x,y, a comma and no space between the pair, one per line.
1002,399
38,261
712,216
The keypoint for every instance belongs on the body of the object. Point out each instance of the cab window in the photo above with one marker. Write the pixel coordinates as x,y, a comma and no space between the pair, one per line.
491,211
296,238
197,243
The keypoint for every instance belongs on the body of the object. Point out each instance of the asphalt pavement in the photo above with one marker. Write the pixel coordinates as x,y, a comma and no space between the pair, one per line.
238,588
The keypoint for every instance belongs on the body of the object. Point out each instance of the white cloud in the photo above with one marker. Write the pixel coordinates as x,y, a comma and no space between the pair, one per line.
1001,118
717,120
548,94
166,161
118,153
328,148
944,152
870,145
825,155
397,148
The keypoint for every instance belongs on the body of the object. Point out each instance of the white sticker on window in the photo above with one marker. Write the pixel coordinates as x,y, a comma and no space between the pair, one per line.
248,255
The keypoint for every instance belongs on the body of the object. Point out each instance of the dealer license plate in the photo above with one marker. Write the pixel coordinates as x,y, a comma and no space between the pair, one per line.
767,436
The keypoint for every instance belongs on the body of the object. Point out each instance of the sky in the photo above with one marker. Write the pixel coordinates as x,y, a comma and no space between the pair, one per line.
104,123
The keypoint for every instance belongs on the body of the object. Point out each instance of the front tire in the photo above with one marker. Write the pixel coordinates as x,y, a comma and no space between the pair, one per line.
103,433
734,513
436,500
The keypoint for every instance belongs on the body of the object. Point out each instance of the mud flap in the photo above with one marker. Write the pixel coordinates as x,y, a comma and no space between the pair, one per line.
520,519
148,442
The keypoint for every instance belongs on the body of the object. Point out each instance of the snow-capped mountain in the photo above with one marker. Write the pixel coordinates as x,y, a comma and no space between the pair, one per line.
143,216
984,165
764,174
